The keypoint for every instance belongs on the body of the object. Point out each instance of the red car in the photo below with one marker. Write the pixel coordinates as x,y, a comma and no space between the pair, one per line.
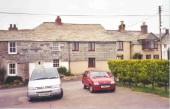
98,80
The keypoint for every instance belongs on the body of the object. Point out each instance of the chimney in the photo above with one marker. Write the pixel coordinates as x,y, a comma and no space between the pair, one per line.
13,27
144,28
58,20
122,26
167,31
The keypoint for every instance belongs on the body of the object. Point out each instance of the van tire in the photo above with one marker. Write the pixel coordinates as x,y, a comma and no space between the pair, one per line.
61,95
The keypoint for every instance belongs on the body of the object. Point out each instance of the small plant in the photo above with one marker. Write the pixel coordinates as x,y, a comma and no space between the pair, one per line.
63,71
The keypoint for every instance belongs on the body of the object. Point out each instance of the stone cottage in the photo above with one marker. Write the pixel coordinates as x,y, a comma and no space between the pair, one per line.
77,47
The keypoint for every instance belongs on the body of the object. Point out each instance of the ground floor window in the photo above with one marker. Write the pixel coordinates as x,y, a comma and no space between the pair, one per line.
91,62
56,63
12,69
148,56
156,56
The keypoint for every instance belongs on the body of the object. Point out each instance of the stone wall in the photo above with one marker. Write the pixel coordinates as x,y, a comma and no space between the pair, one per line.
103,51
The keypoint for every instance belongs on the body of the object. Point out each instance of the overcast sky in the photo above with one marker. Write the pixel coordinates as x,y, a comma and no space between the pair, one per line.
109,13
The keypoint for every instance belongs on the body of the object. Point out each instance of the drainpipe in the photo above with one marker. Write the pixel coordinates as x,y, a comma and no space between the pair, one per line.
69,56
130,50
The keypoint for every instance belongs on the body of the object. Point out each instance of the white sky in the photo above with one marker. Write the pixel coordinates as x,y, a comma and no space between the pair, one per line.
103,8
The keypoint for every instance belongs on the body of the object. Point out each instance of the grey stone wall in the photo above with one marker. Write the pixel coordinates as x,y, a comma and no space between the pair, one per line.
103,51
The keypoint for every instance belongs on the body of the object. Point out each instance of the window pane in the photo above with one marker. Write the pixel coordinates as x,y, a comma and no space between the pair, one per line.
56,63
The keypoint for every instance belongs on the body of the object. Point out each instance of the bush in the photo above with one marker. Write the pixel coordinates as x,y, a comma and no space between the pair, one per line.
63,71
155,72
2,73
13,79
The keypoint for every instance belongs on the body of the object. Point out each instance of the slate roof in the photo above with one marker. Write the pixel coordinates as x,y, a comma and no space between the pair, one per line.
50,31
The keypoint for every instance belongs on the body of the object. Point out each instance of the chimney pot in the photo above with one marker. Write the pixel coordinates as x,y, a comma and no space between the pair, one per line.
167,31
122,26
58,20
144,28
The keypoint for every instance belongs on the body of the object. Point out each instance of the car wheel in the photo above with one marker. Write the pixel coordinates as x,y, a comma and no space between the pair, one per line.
84,86
112,90
61,95
91,89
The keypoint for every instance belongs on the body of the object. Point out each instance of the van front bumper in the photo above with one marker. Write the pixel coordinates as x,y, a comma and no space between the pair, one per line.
44,93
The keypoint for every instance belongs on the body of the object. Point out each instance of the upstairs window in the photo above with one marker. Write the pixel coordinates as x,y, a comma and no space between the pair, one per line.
55,63
119,45
91,46
12,69
149,44
75,46
56,46
12,48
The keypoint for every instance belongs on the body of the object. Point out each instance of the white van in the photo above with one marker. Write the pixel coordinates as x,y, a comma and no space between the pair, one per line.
44,82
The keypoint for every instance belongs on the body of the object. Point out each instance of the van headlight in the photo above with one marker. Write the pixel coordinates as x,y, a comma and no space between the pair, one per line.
56,86
32,88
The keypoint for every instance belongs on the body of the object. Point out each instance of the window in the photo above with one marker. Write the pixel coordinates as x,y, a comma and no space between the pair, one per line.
148,56
91,46
165,45
149,44
119,56
12,69
156,56
56,46
155,44
119,45
75,46
12,48
55,63
91,62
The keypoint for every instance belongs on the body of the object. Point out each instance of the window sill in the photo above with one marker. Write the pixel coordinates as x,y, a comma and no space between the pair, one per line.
92,67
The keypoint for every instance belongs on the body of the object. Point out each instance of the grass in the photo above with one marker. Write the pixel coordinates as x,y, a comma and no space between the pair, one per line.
147,89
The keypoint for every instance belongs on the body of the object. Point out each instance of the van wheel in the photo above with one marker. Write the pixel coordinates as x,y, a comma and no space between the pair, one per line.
30,99
61,95
112,90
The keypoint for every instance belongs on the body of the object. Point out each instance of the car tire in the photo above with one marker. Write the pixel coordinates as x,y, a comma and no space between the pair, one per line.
61,95
85,86
112,90
91,89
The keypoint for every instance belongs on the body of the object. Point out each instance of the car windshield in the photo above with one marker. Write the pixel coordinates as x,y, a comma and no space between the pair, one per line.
44,74
98,74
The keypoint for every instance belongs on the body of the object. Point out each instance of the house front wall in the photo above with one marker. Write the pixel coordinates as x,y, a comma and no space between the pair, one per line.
32,52
126,50
103,52
80,66
138,49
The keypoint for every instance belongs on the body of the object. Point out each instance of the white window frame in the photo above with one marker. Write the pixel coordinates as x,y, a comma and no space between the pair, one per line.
56,46
56,63
9,52
9,69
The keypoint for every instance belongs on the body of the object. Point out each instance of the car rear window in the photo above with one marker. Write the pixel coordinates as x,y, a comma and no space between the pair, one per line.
44,74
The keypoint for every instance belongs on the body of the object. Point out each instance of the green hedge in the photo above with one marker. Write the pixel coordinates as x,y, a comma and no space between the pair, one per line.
155,72
2,74
11,79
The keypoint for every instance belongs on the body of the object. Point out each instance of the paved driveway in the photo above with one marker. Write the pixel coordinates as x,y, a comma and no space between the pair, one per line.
77,97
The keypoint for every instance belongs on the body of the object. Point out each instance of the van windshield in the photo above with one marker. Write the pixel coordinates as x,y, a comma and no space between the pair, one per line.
44,74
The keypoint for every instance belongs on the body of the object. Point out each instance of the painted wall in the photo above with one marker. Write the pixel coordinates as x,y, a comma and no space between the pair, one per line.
80,66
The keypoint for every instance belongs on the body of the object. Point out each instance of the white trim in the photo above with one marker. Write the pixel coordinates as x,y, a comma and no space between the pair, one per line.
9,48
16,67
